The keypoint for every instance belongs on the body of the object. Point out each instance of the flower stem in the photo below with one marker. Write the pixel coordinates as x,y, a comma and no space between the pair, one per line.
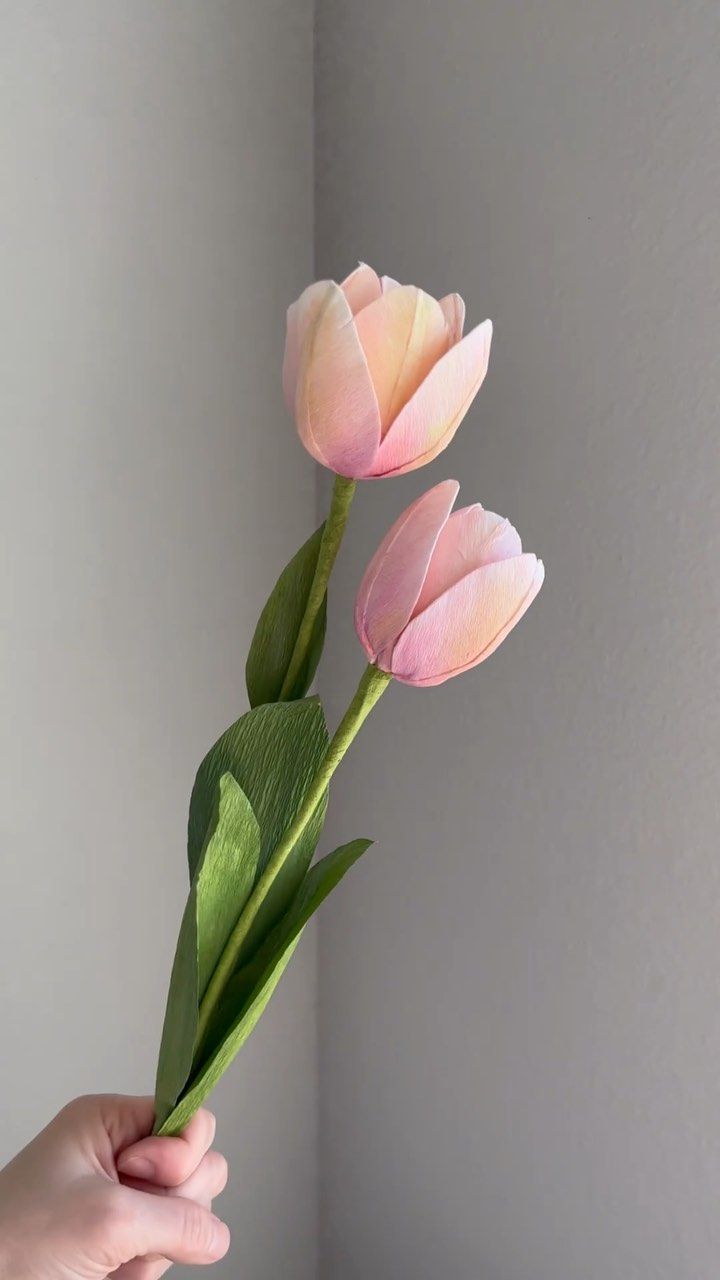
342,496
373,684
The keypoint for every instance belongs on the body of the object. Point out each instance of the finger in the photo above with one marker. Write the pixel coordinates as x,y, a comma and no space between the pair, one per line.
206,1182
169,1161
143,1269
173,1227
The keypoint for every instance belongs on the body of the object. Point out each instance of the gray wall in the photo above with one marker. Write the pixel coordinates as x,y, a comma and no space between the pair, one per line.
155,218
520,988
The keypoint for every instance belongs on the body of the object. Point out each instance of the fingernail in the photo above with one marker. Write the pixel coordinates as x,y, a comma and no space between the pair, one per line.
221,1238
136,1166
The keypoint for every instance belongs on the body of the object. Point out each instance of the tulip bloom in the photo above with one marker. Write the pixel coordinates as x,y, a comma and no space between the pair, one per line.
442,591
378,374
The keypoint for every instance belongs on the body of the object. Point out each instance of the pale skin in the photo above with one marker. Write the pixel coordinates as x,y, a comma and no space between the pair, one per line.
94,1196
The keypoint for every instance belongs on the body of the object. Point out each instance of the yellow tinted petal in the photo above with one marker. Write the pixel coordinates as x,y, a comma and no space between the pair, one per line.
403,334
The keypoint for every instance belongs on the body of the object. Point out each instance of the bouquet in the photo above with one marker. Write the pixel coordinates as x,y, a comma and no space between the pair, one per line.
379,377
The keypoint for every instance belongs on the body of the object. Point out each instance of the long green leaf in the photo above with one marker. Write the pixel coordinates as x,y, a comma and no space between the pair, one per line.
209,1075
252,988
273,752
226,875
277,630
220,888
181,1012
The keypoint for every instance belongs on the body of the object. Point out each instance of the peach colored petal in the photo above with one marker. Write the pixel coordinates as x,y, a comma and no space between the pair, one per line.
335,404
453,308
403,334
388,283
428,422
394,577
466,624
299,316
472,537
361,287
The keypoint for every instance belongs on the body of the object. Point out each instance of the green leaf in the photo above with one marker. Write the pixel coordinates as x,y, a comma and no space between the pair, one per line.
225,877
220,888
253,987
181,1012
277,630
273,752
320,881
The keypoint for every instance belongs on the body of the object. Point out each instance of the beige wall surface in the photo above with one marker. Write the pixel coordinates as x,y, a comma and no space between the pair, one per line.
155,217
520,1063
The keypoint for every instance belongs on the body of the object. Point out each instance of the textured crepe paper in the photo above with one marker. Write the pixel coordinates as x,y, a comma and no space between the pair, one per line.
443,590
378,374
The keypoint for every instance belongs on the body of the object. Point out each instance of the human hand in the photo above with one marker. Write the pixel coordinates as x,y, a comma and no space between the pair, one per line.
93,1196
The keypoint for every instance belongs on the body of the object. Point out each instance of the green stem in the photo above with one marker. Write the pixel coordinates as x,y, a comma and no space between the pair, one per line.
342,496
372,684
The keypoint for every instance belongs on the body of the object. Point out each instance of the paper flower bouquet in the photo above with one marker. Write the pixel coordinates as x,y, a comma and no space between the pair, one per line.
379,377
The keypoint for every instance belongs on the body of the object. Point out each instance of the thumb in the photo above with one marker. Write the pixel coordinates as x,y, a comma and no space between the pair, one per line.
107,1118
177,1229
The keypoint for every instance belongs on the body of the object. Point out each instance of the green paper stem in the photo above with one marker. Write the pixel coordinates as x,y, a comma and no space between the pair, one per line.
373,684
342,496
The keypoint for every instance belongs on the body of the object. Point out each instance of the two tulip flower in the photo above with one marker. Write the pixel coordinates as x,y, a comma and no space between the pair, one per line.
379,378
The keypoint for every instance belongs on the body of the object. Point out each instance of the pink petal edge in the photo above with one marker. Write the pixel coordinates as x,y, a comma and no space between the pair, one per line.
361,287
300,315
428,422
394,577
471,538
456,633
403,334
453,308
336,407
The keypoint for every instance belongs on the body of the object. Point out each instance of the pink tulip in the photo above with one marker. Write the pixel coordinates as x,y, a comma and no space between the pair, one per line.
378,374
442,591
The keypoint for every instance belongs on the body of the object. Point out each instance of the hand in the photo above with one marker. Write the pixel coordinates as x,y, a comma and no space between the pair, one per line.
92,1196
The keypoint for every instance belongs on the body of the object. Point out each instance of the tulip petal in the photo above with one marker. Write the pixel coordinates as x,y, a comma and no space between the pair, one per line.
466,624
471,538
299,317
403,334
361,287
394,578
453,308
388,283
428,422
335,404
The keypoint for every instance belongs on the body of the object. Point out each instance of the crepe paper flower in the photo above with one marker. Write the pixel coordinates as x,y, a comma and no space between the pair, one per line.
370,689
378,374
440,594
443,591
